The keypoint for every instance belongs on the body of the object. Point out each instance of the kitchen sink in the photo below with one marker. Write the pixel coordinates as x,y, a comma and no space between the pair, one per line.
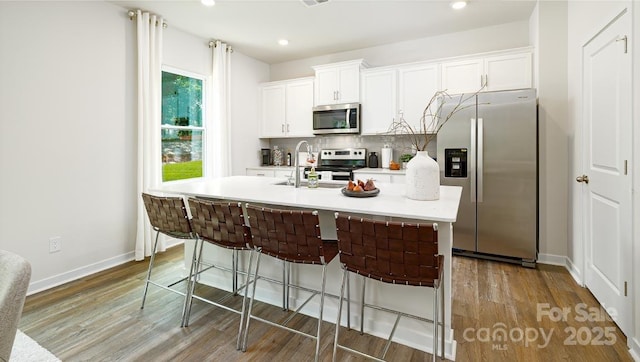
323,185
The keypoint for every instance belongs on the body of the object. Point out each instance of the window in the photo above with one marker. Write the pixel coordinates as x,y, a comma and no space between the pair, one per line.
182,126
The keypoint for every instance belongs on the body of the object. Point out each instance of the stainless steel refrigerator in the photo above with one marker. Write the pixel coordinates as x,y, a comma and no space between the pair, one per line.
490,148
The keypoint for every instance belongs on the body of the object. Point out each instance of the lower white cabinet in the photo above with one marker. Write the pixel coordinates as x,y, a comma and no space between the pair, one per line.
383,175
260,172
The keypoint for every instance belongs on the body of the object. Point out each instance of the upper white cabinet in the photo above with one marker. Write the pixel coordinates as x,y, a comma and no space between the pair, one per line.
500,72
513,71
391,93
417,84
379,95
286,108
338,82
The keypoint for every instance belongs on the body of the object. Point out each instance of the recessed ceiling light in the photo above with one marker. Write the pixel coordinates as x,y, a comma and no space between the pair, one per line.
283,42
208,2
458,4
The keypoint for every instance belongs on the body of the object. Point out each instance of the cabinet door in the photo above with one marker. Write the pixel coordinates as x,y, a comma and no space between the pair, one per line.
327,83
508,72
349,84
378,101
299,114
379,177
272,111
465,76
417,85
259,172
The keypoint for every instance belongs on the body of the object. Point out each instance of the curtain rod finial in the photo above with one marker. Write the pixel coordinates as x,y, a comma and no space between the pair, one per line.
131,14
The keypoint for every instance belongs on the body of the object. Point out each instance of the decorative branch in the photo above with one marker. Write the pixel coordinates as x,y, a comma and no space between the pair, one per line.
420,136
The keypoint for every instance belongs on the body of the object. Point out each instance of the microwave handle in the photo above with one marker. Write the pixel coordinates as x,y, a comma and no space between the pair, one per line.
348,119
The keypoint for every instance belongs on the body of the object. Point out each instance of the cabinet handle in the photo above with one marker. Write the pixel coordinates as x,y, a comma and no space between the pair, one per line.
486,80
287,127
337,95
282,128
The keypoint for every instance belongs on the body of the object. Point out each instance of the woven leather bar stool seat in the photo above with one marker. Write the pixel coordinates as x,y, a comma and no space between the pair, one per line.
292,236
220,224
168,215
391,252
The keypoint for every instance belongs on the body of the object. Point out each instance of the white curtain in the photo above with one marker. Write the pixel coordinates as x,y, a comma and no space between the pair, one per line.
149,29
219,132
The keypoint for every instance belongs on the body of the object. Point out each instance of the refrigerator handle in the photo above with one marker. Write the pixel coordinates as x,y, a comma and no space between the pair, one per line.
472,161
480,171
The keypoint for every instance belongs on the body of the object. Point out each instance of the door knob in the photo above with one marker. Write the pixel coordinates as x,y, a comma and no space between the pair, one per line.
583,178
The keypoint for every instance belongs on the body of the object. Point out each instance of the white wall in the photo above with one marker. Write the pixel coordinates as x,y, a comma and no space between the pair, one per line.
554,127
67,134
506,36
246,74
68,130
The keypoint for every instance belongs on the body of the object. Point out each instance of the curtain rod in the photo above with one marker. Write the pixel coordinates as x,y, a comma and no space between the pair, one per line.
212,44
132,15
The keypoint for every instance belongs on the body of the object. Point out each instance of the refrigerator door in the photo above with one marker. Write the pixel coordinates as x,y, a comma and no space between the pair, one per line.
507,174
456,158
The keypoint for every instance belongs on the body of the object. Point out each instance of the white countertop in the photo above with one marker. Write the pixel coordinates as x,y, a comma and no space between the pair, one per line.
389,202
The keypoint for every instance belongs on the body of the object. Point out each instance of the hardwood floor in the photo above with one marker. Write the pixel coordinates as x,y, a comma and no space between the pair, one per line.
98,318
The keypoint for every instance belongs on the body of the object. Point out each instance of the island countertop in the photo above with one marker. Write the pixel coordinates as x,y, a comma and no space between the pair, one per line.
389,202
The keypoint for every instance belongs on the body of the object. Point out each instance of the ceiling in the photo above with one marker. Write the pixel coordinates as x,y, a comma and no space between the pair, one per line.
253,27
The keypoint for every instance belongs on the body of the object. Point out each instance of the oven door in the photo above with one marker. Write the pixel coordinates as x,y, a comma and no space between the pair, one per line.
341,118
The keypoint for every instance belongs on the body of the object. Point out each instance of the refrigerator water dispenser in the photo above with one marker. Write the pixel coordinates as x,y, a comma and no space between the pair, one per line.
455,162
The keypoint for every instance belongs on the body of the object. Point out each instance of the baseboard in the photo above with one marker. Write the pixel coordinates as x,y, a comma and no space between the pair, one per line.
634,351
564,261
81,272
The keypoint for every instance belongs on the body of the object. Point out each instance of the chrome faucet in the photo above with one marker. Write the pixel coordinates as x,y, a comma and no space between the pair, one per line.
296,162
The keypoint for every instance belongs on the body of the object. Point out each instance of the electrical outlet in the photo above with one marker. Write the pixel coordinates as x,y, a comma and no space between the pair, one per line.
55,244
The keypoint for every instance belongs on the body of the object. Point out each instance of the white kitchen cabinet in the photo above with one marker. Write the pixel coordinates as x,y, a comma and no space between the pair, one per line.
379,106
512,71
499,72
286,108
260,172
416,86
463,76
338,82
376,177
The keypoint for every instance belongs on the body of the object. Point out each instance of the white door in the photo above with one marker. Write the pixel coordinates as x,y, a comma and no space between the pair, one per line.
607,152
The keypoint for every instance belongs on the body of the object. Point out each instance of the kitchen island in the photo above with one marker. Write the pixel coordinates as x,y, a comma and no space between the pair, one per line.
390,204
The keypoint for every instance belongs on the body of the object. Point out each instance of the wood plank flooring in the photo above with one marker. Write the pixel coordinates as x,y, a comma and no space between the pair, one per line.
98,318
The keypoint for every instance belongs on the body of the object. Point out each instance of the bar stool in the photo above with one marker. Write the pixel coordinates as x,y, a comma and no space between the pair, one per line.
292,236
168,215
391,252
220,224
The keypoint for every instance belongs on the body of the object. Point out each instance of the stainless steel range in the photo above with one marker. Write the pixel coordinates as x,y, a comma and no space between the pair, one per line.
338,164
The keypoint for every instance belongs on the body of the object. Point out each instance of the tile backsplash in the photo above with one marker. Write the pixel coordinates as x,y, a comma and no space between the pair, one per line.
400,144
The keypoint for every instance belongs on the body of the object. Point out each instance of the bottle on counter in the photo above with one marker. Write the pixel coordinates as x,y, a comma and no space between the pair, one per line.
312,178
373,160
288,158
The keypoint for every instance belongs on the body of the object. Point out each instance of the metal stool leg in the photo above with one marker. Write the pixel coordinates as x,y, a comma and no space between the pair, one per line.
153,258
335,341
243,313
196,260
253,294
364,284
436,311
324,273
442,327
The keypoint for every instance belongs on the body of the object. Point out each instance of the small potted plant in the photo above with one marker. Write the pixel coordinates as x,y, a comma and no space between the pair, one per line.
404,158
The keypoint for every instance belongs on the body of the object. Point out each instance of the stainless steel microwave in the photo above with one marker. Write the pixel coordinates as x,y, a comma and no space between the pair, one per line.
336,118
